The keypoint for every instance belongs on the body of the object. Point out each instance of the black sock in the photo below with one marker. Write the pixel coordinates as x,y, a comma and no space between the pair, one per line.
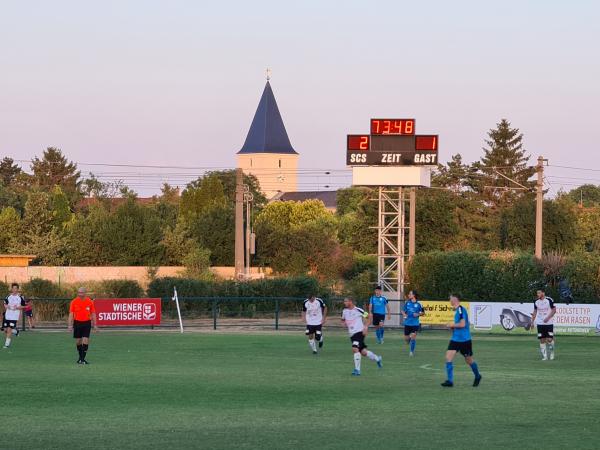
84,349
80,350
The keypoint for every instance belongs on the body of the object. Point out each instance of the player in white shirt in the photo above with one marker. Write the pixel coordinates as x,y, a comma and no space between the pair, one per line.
314,313
356,319
543,316
13,304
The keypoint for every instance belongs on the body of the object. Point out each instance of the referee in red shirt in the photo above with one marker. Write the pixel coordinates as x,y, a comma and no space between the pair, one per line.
82,318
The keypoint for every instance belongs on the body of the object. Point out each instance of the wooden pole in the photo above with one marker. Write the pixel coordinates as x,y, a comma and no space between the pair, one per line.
539,207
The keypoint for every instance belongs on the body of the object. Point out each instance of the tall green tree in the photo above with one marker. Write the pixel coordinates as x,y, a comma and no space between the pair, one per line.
9,171
504,159
54,169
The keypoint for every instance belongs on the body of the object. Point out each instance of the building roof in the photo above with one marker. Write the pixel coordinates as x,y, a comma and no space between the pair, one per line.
267,132
329,198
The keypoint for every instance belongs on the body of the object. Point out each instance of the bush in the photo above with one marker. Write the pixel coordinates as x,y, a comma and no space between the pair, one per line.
120,289
259,290
40,288
4,287
503,276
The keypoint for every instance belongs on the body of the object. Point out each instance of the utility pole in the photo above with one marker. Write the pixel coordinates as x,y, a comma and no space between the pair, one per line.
239,224
248,198
412,221
539,207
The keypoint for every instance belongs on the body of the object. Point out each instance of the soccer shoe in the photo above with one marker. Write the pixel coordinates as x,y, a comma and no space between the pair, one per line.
476,381
447,384
356,373
84,362
380,362
411,354
544,359
381,341
79,361
314,352
321,343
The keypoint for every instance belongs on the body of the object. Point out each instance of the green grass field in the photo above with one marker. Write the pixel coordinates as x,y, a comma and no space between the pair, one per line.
199,390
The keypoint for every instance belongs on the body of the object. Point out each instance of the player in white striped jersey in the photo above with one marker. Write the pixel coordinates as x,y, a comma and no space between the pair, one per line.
543,316
314,312
356,319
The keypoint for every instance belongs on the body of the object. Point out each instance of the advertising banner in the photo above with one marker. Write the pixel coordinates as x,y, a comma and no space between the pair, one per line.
516,317
127,311
438,312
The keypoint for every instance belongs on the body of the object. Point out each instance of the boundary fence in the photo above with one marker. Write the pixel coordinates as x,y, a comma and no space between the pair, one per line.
211,312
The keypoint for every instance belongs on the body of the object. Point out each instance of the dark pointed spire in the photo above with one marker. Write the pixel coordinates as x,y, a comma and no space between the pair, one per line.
267,133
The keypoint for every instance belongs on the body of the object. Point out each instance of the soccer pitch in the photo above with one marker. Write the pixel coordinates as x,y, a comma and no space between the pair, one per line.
157,390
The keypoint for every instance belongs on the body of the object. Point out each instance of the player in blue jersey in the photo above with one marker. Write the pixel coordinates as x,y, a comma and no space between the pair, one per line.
460,342
412,312
378,308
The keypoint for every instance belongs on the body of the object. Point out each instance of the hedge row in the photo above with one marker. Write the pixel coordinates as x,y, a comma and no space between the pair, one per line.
268,287
489,276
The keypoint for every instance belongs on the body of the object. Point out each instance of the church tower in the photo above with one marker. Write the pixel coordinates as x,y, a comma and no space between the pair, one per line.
267,152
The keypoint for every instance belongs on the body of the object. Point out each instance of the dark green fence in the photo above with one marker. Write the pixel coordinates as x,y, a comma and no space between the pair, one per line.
210,312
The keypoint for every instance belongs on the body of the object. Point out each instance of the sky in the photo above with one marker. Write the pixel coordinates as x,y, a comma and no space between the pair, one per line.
176,83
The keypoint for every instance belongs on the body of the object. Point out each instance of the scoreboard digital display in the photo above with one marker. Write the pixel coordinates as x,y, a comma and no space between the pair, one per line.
392,142
392,126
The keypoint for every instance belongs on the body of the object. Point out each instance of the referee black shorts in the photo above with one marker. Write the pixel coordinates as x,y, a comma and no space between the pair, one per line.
82,329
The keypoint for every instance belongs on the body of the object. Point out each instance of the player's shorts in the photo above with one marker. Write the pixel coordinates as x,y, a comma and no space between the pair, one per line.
29,313
313,329
6,323
464,348
82,329
378,319
545,331
358,341
410,329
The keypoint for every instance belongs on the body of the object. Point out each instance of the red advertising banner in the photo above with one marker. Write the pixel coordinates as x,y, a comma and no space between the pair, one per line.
127,311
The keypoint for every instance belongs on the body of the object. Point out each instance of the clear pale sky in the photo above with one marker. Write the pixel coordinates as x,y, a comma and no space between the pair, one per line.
177,82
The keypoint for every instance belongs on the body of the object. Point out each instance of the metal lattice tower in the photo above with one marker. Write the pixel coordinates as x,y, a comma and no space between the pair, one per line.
392,242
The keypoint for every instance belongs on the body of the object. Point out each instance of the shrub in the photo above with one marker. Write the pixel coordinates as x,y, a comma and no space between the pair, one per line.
504,276
120,289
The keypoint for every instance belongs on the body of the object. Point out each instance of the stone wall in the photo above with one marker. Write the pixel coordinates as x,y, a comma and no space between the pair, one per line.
79,275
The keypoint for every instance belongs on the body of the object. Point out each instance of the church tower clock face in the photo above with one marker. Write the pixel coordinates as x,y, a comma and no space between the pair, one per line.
281,178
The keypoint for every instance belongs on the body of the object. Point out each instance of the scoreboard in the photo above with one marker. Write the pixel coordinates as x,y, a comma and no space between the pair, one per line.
392,142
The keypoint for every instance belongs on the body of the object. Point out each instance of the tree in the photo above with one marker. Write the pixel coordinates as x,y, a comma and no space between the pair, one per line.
203,228
588,229
60,209
587,195
435,220
504,157
300,237
9,171
38,218
455,175
53,169
517,225
351,199
49,248
200,195
178,244
131,236
228,179
10,228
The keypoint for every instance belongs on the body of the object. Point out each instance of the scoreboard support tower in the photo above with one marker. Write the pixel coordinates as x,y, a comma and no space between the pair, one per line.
393,247
395,160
